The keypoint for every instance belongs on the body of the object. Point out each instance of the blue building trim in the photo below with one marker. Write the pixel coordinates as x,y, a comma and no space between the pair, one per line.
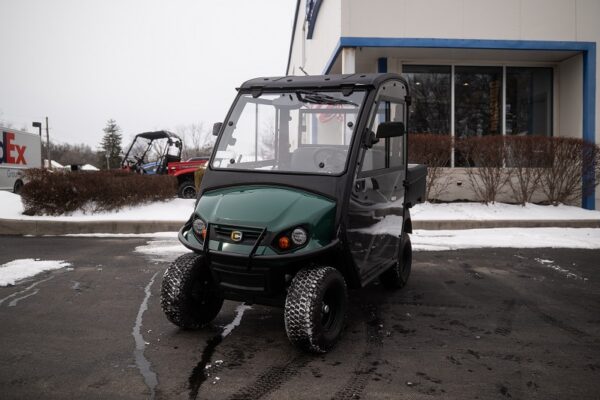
589,121
588,50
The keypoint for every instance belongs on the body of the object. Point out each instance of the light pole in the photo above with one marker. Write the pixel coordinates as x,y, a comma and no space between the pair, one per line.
39,126
48,145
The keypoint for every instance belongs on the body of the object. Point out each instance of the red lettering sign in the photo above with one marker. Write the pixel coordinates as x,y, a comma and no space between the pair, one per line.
21,154
9,147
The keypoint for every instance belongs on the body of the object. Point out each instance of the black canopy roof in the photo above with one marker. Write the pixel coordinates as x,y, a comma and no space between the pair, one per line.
317,81
157,135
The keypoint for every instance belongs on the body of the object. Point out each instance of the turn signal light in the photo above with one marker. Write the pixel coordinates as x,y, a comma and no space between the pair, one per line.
284,243
204,233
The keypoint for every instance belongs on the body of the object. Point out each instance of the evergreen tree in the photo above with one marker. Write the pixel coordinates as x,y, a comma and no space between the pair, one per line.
110,146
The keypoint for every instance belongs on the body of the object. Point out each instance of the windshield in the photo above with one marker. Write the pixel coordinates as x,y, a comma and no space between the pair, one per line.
296,131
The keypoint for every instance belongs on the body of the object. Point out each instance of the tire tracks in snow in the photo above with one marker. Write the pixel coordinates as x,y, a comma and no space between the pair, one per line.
368,361
200,372
272,379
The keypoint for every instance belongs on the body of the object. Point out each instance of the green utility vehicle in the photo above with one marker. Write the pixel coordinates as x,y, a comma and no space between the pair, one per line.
291,208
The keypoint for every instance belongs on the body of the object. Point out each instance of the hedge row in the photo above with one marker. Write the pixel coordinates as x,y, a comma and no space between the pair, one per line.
552,166
56,193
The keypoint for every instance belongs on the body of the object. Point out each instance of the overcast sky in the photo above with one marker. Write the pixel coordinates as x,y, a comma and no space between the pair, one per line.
149,64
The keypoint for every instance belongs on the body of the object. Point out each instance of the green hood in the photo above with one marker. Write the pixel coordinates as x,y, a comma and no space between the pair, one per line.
275,208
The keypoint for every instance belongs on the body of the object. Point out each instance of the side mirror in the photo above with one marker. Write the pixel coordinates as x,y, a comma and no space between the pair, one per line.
371,139
390,129
217,128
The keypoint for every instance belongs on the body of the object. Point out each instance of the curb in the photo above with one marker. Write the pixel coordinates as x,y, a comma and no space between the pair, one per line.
46,227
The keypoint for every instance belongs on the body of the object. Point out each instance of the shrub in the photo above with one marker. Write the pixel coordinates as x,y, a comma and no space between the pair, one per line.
56,193
434,151
526,157
564,160
486,154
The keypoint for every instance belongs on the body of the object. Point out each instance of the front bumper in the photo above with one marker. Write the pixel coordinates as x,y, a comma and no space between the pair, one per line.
254,278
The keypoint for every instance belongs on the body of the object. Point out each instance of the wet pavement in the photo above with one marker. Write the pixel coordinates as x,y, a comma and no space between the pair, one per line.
471,324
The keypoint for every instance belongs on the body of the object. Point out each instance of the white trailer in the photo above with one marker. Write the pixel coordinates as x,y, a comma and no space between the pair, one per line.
19,151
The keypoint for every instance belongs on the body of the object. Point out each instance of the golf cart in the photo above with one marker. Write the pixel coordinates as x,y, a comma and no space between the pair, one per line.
292,205
151,152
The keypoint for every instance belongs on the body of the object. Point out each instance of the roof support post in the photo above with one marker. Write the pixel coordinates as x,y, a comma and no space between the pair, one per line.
348,60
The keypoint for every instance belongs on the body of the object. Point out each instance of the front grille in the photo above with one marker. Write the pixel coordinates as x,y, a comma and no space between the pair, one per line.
249,235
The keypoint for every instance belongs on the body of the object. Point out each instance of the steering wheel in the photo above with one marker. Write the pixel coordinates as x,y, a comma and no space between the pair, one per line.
330,159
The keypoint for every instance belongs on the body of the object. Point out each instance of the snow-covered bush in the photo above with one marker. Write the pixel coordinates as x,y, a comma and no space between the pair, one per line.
50,193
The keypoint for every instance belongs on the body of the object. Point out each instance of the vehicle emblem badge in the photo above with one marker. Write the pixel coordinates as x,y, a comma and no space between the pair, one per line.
236,236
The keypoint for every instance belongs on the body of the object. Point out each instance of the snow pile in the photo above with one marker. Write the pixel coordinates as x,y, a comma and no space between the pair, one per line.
497,211
18,270
573,238
181,209
172,210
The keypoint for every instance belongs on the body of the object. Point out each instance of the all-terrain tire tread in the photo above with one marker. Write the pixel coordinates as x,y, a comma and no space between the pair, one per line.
301,305
173,295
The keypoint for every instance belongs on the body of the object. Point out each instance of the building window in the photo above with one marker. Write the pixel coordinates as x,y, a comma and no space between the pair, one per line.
529,101
478,101
429,87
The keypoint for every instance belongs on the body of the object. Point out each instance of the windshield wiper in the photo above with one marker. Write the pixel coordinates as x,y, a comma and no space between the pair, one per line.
320,98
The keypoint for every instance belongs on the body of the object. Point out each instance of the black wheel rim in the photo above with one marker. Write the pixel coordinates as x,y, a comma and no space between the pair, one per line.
188,192
332,308
201,292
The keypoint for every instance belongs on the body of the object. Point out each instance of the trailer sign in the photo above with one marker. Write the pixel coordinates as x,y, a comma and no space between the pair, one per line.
19,151
10,152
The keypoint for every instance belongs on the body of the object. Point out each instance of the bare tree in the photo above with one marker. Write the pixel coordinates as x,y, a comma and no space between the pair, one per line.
66,154
197,140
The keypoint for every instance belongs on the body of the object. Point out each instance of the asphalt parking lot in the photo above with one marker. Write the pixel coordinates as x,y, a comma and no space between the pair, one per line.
471,324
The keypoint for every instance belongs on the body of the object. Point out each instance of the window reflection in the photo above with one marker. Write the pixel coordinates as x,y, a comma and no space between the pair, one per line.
529,101
429,87
478,93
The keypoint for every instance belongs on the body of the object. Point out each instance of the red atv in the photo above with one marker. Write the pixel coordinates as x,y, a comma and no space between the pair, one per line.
159,153
184,172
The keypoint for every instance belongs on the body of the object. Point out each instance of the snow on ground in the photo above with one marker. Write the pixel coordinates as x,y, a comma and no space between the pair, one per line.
497,211
180,210
172,210
520,238
168,249
574,238
17,270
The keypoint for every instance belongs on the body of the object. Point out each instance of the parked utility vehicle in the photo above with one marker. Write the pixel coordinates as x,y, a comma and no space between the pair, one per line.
291,206
159,153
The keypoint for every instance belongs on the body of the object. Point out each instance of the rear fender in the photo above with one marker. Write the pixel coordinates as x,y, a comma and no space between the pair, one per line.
188,171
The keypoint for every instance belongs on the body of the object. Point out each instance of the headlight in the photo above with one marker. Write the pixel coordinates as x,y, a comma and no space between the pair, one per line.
199,228
299,236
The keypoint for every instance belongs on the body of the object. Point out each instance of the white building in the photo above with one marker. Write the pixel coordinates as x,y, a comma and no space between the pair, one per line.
529,64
